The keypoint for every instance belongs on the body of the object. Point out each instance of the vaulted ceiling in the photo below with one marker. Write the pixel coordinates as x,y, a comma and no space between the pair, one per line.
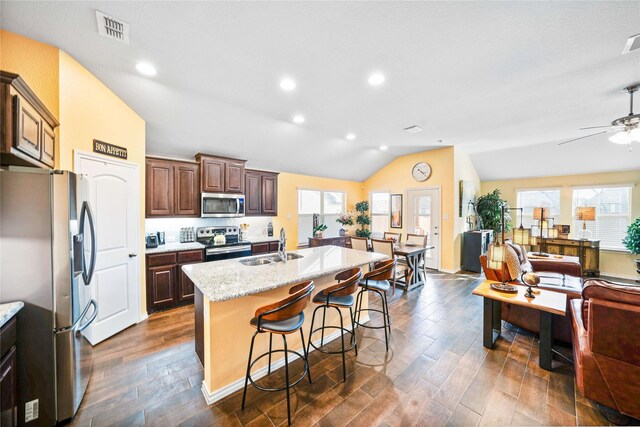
505,81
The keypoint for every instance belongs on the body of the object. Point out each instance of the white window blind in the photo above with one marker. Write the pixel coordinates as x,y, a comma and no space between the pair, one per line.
613,214
327,204
529,199
380,213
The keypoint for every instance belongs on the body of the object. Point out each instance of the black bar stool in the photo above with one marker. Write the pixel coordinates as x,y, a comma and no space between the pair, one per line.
377,280
282,318
337,296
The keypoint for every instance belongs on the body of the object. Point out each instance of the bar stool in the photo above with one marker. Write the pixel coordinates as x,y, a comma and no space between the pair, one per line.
337,296
377,280
282,318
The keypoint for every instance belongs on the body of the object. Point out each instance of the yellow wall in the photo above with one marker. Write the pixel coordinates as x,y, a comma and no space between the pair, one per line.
36,63
288,185
612,263
88,111
396,178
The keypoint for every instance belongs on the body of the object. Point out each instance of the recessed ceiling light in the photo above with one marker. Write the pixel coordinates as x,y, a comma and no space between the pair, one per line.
298,119
287,84
146,68
384,147
376,79
350,136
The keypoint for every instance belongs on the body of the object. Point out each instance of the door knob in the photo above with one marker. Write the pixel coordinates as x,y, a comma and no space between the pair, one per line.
133,255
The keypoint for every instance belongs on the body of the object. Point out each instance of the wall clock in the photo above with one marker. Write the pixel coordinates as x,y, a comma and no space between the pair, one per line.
421,171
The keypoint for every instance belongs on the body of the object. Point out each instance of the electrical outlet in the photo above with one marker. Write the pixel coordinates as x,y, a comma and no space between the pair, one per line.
31,410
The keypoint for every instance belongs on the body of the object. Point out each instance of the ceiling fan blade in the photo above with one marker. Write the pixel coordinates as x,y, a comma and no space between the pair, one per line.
598,127
587,136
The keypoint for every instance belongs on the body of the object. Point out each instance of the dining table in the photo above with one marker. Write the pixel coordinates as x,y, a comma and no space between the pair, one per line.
415,255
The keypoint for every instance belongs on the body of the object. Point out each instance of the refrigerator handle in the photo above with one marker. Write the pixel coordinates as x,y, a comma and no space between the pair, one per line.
87,275
93,315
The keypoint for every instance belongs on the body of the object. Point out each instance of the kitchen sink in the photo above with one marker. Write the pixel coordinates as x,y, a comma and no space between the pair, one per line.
255,261
290,257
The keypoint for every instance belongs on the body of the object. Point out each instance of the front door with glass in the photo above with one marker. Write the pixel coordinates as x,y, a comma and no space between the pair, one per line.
424,218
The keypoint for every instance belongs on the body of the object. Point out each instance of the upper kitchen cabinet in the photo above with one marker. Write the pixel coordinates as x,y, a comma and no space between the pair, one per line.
261,197
221,175
28,128
172,188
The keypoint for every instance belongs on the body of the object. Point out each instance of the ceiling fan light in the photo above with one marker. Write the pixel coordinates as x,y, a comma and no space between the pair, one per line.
635,134
622,137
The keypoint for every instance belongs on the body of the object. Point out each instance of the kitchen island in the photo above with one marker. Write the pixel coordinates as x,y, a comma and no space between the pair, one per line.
227,293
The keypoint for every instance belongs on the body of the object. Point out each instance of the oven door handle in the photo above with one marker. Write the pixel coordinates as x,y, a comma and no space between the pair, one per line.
228,251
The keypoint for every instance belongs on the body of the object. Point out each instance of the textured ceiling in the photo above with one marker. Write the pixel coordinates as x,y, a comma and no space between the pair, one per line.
499,79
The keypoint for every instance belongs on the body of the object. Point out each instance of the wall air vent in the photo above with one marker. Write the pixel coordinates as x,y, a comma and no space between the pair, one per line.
632,44
413,129
113,28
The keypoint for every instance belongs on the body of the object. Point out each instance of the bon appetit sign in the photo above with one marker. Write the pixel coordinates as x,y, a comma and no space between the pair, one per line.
109,149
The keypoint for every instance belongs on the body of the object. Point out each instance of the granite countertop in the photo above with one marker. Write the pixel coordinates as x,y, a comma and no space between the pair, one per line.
174,247
8,310
260,239
225,280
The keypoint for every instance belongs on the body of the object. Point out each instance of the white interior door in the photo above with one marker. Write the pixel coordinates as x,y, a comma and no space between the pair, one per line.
114,196
424,217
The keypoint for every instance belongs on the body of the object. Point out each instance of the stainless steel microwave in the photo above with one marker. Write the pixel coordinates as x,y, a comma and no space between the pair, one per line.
218,205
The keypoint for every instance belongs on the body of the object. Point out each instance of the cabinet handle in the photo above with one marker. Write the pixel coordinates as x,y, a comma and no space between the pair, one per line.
133,255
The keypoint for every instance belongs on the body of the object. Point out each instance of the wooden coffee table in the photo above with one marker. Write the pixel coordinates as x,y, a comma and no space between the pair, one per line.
548,303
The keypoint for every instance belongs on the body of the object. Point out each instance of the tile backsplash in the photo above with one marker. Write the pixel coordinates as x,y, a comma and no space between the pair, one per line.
172,226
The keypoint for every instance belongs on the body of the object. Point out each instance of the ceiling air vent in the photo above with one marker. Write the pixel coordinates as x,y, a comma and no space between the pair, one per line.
632,44
413,129
113,28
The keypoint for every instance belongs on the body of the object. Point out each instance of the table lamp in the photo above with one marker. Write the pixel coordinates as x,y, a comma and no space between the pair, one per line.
584,214
496,259
521,235
539,215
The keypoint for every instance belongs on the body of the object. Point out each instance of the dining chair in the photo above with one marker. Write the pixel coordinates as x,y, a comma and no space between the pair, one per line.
397,237
385,247
359,243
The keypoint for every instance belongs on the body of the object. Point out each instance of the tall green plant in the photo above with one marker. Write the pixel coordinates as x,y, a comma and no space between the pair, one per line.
632,240
489,208
363,219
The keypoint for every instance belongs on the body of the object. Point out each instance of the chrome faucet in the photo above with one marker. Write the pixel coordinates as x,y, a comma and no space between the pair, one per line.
282,246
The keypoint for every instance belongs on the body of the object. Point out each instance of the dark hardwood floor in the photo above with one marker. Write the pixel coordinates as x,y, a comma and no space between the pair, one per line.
436,373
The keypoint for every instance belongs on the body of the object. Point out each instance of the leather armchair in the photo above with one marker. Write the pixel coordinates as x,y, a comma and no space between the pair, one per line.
606,349
554,275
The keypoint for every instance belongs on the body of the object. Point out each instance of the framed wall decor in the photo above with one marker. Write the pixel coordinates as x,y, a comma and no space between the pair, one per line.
396,211
467,194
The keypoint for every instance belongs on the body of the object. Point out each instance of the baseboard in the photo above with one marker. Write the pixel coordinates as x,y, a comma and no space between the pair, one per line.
445,270
143,317
617,276
212,397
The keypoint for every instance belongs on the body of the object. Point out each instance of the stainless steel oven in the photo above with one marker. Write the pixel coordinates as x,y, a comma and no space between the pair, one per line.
219,205
227,252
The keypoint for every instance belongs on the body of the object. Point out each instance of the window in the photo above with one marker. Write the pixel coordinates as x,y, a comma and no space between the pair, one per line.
327,204
613,214
380,211
529,199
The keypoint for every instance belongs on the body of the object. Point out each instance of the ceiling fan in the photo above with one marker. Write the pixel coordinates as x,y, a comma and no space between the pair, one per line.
627,128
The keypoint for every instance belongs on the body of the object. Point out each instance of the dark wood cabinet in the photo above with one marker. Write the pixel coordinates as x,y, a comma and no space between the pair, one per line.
342,241
28,127
220,174
172,188
8,375
234,177
253,193
474,244
187,189
264,247
167,285
261,193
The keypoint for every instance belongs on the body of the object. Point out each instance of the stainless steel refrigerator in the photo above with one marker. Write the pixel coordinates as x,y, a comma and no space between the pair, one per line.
47,257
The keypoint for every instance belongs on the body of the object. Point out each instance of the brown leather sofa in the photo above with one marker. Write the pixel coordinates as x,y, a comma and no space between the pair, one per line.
606,345
555,275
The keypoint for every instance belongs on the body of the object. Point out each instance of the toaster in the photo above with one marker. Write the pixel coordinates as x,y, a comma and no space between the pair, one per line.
152,240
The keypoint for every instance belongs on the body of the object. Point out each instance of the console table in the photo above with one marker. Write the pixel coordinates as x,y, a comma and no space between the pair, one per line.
342,241
587,251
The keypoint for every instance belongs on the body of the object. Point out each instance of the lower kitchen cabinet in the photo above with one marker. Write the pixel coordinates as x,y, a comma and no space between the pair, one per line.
264,248
167,285
8,376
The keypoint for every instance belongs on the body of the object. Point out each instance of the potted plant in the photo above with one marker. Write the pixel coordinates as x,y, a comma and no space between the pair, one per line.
489,209
345,219
632,241
363,219
318,229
